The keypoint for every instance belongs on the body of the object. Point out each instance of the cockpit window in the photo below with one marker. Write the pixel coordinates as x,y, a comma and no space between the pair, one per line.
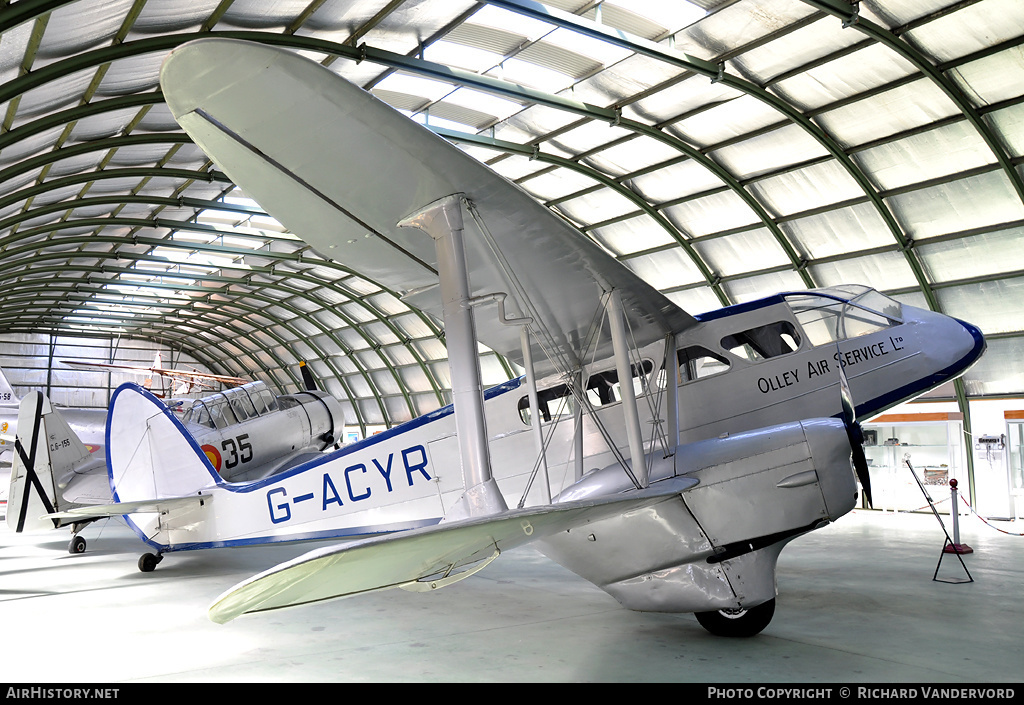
828,315
198,414
269,400
763,342
220,412
240,403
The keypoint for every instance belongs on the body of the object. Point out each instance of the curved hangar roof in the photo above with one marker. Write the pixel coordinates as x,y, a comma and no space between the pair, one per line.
722,149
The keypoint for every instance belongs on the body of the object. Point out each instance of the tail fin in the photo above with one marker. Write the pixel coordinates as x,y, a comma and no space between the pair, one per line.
46,450
150,455
7,395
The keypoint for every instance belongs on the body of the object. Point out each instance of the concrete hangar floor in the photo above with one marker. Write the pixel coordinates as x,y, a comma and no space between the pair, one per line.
857,604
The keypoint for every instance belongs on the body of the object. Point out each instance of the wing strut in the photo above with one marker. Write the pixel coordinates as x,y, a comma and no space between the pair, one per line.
531,381
538,437
672,387
632,417
442,220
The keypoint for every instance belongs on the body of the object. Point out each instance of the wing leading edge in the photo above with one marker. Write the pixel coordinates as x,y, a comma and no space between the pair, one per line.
341,169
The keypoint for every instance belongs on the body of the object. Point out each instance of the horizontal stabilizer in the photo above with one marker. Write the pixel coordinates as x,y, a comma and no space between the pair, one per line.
404,559
150,506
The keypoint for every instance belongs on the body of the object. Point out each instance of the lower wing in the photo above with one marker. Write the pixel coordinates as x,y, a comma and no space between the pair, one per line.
422,559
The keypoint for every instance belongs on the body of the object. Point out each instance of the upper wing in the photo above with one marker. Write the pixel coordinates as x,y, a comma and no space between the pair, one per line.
406,558
340,169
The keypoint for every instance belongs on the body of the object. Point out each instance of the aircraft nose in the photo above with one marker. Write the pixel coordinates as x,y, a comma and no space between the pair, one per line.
971,344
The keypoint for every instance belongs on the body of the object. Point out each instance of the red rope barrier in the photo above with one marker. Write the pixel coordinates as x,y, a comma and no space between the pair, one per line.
1009,533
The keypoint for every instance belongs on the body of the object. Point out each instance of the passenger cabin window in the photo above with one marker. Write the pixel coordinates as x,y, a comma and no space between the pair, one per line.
696,362
763,342
554,403
602,388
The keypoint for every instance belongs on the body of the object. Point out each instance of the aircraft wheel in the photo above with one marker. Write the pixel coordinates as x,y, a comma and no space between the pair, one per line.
77,545
738,623
148,562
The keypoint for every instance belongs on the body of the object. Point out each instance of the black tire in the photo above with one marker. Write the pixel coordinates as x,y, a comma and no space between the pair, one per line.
77,545
148,561
738,623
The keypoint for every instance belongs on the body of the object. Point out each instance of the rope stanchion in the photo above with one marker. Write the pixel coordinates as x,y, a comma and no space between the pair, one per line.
956,546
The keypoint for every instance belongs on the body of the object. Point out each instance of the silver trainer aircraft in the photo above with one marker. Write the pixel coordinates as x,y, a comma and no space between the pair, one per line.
245,433
674,491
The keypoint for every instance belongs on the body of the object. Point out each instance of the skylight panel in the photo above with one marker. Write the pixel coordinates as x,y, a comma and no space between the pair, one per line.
533,76
484,103
597,49
671,15
425,118
205,261
414,85
500,18
215,217
462,56
265,222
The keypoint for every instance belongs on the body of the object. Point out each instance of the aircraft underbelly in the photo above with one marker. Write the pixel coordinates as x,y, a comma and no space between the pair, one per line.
656,560
715,546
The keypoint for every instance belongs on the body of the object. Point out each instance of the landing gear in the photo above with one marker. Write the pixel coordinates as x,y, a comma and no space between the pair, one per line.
76,545
738,623
148,562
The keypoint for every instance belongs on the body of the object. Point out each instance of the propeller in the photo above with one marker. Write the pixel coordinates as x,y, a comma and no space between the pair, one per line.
307,377
856,435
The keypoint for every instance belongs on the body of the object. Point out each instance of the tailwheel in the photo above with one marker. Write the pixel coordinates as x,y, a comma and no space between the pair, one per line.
148,562
76,545
738,622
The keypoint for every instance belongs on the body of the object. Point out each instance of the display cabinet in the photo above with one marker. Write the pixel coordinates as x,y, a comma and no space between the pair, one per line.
1015,467
934,444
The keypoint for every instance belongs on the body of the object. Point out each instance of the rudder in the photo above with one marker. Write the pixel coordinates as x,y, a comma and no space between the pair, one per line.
7,395
45,451
150,455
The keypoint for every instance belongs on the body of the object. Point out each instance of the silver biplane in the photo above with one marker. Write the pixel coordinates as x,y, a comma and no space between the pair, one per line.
665,457
187,381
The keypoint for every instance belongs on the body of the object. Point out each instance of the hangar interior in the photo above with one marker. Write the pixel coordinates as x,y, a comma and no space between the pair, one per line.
723,150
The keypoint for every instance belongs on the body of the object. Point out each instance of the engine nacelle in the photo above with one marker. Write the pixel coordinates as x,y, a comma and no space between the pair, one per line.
324,416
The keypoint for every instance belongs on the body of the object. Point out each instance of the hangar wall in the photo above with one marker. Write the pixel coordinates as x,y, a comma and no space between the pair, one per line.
33,362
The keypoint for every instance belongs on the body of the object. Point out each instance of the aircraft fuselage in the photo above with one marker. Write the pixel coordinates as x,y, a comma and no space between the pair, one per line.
759,364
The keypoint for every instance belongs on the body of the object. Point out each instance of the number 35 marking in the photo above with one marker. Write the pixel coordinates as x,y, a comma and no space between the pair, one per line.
233,446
